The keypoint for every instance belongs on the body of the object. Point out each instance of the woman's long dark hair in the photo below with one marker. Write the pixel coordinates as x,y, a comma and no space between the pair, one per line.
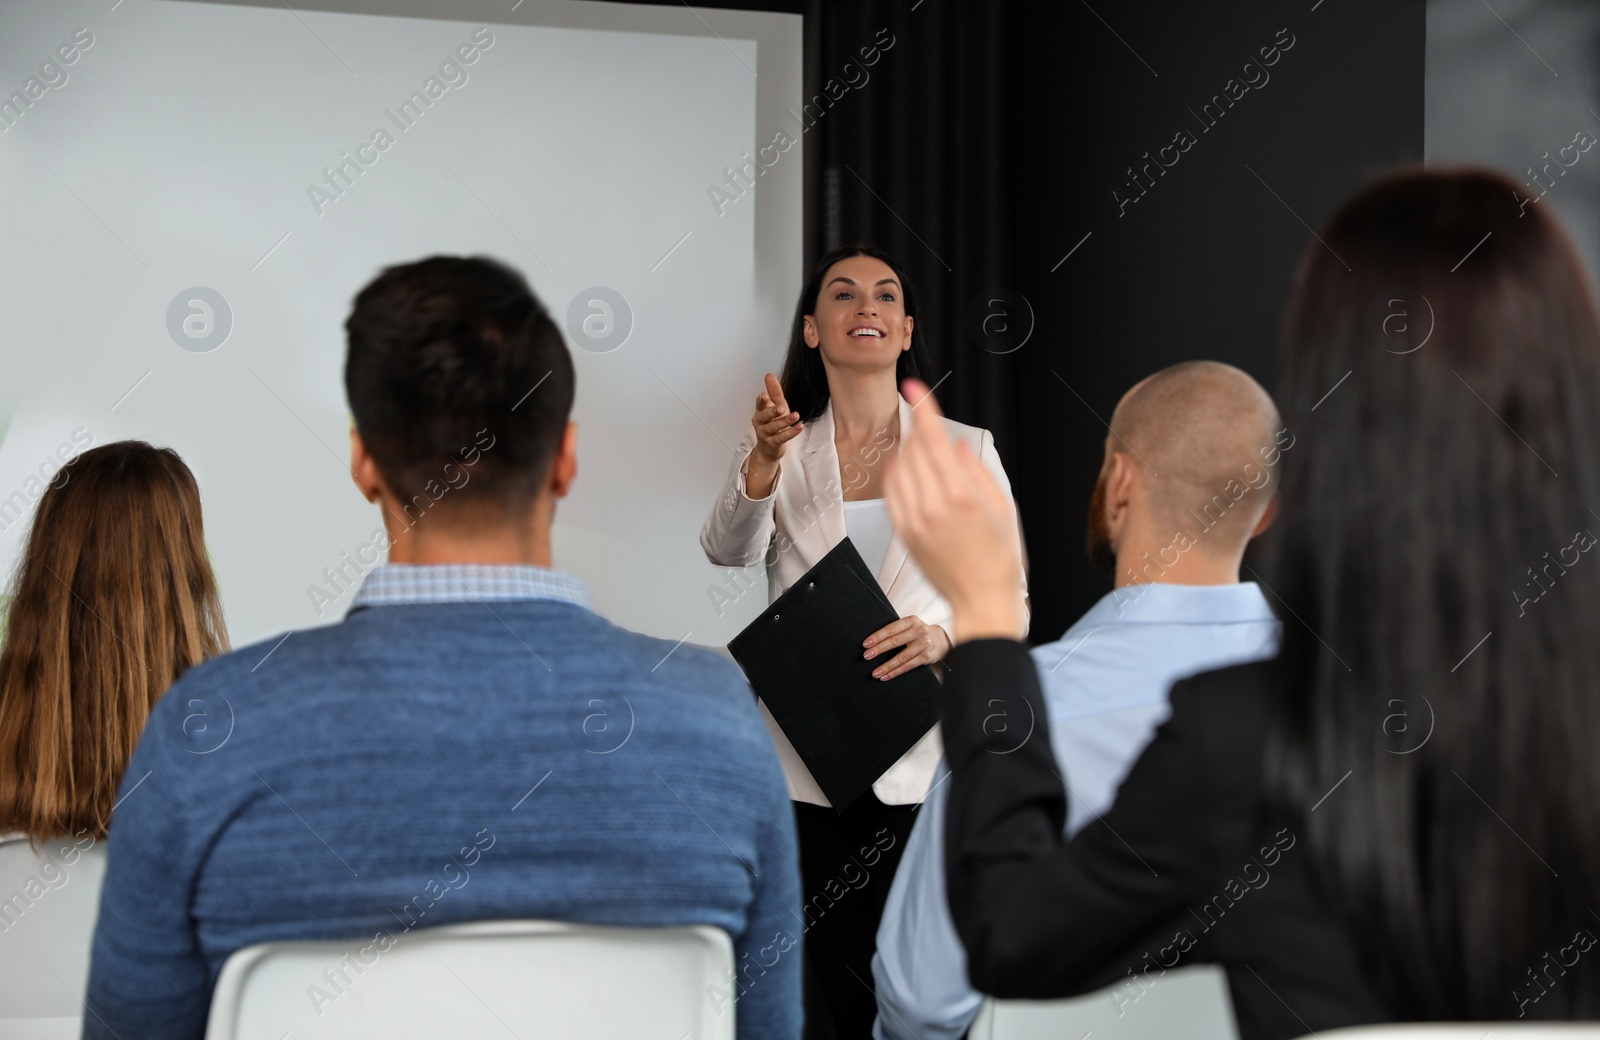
804,380
1433,549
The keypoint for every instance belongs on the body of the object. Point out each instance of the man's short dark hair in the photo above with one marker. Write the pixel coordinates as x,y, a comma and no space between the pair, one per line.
443,358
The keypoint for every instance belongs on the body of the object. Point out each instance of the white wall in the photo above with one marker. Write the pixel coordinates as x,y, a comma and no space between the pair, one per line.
579,147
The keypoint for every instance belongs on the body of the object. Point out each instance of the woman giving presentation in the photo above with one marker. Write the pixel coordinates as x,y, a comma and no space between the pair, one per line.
809,474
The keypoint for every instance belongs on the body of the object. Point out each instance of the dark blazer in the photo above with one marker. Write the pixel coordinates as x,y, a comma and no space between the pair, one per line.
1188,866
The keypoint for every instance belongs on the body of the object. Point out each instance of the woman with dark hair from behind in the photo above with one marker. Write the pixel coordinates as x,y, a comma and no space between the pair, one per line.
783,508
1448,570
114,599
1396,819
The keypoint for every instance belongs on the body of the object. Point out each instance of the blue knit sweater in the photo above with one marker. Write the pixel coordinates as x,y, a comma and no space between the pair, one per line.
425,764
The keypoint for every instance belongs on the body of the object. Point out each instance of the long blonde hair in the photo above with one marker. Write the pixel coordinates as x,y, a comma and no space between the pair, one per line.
114,599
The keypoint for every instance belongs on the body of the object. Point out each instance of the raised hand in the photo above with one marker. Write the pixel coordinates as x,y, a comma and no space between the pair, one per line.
958,524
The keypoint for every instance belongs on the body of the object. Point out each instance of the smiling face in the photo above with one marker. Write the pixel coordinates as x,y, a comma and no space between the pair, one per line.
860,319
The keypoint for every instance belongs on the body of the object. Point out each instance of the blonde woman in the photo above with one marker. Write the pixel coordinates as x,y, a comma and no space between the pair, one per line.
809,475
114,599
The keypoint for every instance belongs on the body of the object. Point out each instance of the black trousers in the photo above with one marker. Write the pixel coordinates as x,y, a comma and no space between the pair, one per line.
847,861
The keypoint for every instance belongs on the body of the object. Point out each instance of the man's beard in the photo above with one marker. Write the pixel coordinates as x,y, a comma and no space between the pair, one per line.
1098,542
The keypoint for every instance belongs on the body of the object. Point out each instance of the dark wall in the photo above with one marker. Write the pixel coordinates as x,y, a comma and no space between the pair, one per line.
1200,266
987,142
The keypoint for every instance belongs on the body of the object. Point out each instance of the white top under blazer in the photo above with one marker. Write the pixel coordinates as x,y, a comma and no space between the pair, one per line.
867,523
806,508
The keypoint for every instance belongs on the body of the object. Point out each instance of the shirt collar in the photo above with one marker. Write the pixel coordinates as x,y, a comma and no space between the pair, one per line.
1159,602
402,584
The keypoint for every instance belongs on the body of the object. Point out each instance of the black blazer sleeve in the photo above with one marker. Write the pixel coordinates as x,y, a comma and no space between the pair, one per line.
1041,916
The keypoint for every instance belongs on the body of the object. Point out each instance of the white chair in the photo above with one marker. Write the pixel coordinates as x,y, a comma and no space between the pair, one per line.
489,978
49,900
1470,1031
1191,1002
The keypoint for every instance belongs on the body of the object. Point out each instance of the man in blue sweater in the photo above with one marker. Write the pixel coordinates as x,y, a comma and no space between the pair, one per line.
472,742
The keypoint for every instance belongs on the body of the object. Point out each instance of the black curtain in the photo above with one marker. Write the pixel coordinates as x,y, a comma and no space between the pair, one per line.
993,148
984,148
912,158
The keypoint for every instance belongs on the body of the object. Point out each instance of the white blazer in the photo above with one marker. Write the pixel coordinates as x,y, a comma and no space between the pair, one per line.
804,513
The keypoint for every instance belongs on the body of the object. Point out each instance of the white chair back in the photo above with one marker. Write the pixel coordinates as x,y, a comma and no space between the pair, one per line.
488,978
1470,1031
1191,1002
49,899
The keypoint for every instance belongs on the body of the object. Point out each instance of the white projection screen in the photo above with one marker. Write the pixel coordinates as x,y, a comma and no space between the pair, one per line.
170,274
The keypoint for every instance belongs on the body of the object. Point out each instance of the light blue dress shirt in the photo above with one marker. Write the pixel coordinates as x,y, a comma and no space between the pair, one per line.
406,584
1106,682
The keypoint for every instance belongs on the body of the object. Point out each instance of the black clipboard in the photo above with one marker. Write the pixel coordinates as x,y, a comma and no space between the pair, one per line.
803,658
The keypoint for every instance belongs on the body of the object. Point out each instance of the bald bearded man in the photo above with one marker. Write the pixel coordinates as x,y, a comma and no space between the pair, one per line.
1187,480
